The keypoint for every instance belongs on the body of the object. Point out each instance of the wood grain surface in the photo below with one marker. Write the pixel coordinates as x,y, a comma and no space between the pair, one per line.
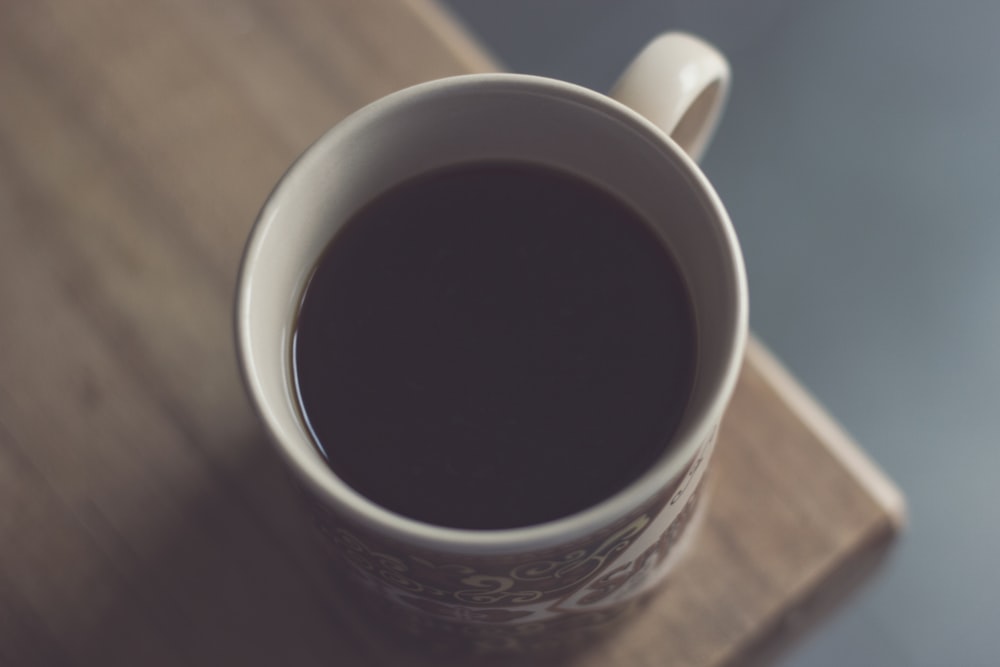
144,520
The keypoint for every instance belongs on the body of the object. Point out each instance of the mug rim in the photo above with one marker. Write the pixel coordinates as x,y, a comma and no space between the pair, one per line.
337,494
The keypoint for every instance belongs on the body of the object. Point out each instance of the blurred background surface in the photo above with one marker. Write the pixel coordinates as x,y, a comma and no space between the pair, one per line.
859,158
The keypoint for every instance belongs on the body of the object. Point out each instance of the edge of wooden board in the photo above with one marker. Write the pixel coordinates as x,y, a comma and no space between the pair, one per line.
451,32
815,418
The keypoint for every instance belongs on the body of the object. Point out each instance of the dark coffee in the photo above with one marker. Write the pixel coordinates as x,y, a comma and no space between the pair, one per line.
494,345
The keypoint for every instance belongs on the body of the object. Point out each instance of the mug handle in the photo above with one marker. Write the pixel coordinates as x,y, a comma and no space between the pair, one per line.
680,83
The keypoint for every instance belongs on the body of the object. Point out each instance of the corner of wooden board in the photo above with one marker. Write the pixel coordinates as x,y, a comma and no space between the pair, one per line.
855,460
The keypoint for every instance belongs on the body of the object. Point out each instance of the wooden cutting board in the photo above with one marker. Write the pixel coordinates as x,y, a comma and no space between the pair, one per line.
143,518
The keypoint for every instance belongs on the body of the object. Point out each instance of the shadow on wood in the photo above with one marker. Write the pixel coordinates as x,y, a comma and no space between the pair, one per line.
234,584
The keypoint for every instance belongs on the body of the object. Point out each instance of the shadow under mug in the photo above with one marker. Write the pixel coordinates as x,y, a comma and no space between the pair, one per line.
544,585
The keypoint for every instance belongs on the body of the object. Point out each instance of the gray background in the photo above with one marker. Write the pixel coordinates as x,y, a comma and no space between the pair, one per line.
860,160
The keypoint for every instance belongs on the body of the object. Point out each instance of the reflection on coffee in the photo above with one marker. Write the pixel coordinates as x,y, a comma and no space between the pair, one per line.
493,345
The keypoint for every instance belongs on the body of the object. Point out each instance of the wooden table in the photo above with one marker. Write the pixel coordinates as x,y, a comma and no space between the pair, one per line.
143,518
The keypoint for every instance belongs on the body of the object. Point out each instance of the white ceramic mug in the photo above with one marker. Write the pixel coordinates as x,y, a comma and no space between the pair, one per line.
547,583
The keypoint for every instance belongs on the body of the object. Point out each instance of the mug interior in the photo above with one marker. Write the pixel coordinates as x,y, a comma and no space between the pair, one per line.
460,120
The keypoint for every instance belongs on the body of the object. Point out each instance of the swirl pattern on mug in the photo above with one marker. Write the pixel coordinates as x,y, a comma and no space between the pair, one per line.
605,568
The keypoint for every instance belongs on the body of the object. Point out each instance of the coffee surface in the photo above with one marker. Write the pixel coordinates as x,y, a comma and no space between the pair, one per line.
493,345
